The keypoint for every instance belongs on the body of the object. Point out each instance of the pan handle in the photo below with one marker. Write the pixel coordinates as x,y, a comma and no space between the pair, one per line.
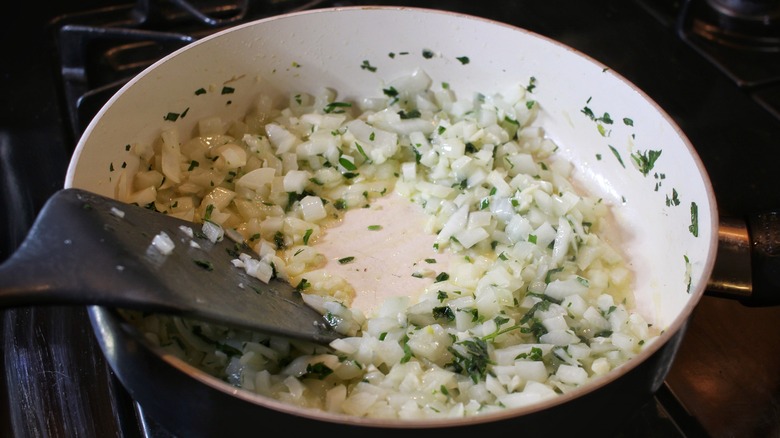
747,267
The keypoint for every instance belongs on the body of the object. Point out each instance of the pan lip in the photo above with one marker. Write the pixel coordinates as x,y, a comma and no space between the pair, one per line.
245,395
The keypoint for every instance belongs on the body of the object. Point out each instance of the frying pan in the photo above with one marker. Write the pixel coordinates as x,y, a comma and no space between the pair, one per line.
666,218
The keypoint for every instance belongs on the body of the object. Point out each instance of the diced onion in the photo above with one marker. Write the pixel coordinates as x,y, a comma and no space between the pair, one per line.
532,303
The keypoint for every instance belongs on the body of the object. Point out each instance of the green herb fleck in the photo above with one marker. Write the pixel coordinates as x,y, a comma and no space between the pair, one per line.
617,155
279,240
363,152
413,114
531,84
535,354
443,312
645,160
442,277
407,350
336,107
346,260
209,210
345,163
390,92
317,370
694,227
674,200
471,358
205,264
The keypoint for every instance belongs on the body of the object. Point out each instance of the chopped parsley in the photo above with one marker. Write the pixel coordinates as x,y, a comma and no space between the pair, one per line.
444,313
674,200
470,358
205,264
645,160
345,260
345,163
317,370
531,84
617,155
303,285
336,107
413,114
694,227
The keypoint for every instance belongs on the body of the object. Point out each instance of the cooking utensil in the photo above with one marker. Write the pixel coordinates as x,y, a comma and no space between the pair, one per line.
88,249
665,217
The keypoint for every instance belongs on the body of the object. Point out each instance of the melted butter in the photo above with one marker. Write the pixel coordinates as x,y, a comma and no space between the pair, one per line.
389,248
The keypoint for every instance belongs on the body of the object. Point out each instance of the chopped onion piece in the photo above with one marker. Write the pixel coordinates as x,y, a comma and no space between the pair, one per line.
163,243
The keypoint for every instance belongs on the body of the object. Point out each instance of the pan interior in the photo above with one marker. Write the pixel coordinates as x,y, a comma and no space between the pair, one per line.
625,150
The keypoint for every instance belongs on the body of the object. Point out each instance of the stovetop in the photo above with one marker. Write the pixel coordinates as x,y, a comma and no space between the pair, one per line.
714,73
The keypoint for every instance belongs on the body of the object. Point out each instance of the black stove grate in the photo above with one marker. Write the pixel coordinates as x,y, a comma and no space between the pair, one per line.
98,51
742,38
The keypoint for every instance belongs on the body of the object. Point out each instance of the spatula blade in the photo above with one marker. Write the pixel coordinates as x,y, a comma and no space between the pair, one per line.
100,251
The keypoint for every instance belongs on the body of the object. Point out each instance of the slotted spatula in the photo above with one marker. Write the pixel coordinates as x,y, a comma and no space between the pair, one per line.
88,249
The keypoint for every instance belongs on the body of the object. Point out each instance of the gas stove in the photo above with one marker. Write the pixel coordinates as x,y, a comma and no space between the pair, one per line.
713,65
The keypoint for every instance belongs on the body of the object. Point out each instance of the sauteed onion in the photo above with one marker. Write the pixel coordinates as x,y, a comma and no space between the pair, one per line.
534,301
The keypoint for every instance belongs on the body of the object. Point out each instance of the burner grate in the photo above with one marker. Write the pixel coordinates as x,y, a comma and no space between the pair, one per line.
98,51
740,37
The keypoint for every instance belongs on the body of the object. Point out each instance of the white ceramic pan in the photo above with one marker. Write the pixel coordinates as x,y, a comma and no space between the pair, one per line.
671,246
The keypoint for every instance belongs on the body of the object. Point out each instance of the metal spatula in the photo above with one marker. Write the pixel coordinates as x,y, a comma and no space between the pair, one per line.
91,250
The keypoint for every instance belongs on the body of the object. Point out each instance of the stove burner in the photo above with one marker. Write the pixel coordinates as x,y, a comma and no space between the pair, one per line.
100,50
741,37
742,24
